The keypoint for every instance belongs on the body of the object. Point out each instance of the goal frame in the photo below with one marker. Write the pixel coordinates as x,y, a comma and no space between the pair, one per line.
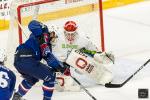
102,42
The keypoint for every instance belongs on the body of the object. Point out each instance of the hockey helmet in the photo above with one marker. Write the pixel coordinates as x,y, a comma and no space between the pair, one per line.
70,26
37,28
70,32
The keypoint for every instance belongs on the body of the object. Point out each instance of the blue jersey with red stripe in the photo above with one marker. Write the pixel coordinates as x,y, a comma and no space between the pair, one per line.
32,44
7,83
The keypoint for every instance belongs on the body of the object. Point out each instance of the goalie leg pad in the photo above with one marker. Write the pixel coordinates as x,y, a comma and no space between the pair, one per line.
70,85
88,66
66,83
105,78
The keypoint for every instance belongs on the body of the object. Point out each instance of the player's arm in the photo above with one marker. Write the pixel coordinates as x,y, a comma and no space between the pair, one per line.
92,50
45,46
101,57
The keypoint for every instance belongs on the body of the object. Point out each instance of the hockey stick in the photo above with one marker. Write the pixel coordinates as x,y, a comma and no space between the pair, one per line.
68,66
110,85
109,58
83,88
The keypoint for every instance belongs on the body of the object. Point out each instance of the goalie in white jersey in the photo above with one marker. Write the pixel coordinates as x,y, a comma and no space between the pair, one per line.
69,46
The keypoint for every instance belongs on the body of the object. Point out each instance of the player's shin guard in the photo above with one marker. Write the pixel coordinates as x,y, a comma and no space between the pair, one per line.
48,88
24,87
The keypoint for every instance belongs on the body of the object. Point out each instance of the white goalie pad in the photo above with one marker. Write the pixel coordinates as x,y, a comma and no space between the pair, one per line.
87,65
66,83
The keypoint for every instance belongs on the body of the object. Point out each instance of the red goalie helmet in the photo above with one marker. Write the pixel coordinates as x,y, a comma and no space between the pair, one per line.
70,26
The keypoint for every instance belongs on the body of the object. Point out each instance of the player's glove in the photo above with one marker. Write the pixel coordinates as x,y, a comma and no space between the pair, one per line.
62,67
104,57
101,57
67,71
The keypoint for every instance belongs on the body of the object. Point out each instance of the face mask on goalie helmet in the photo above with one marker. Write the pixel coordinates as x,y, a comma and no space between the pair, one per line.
70,28
2,56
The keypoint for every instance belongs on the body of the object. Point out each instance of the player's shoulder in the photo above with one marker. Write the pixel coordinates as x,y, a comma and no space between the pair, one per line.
7,70
4,68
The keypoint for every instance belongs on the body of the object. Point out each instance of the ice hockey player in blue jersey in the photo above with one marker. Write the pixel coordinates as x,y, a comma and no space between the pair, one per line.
7,79
27,61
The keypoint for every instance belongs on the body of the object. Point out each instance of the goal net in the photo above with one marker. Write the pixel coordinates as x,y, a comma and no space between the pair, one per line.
86,13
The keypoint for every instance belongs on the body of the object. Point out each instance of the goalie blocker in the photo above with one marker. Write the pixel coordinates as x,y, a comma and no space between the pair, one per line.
88,66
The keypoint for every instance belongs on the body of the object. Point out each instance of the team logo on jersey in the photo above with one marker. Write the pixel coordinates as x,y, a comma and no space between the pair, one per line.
72,46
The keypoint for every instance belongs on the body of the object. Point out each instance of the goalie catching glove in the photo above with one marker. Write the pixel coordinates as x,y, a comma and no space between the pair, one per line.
104,58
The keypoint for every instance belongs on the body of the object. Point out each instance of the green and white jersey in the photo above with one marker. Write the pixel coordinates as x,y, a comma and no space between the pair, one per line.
62,47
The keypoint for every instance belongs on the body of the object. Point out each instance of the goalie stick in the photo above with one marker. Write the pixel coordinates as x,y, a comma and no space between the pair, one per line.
110,85
83,88
68,66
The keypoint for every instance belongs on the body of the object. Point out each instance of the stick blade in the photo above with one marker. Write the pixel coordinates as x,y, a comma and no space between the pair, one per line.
109,85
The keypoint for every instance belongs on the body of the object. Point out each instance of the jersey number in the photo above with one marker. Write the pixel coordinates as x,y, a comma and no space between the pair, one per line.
3,79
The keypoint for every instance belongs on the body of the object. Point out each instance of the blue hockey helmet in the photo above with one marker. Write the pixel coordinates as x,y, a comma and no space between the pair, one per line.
37,28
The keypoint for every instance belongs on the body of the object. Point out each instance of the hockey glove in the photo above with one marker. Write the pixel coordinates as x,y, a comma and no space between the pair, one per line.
57,65
101,57
67,69
104,58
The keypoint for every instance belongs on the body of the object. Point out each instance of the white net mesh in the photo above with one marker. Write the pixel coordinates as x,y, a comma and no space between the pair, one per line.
84,12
